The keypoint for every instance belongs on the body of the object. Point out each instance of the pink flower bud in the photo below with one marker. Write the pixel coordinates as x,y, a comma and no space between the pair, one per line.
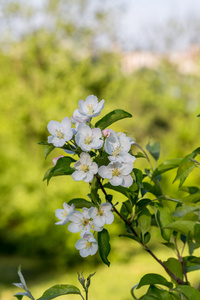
56,158
106,132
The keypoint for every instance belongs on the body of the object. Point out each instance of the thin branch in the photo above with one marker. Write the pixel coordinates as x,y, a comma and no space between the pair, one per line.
172,275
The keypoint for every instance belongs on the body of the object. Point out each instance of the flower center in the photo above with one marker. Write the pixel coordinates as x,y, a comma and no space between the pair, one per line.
88,139
64,213
100,212
85,222
88,245
117,151
59,134
90,109
85,168
116,172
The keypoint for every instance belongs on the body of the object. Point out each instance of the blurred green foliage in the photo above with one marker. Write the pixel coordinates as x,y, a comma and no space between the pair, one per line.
42,79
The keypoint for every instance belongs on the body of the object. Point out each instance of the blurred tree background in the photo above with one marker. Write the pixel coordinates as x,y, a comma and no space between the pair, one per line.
51,56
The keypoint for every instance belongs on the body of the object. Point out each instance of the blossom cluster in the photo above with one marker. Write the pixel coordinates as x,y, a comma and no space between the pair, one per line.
85,221
115,145
90,143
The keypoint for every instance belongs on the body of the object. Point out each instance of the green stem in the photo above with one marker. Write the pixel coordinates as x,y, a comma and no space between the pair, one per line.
86,294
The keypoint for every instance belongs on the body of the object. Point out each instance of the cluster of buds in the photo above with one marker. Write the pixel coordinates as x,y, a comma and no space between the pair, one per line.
93,146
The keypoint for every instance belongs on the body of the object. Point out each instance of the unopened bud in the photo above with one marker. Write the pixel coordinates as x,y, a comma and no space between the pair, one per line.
106,132
56,158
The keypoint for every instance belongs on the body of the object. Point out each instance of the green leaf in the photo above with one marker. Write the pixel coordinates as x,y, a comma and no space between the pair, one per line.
183,171
154,150
192,263
146,238
175,266
198,115
190,189
157,293
80,203
59,290
104,245
153,278
139,155
48,149
140,205
184,227
112,117
131,193
138,177
62,167
20,295
197,233
120,189
163,217
153,189
144,220
189,292
166,166
185,209
193,198
169,245
126,208
94,191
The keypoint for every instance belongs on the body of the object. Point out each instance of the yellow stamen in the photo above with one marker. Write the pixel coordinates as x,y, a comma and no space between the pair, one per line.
90,108
88,245
100,212
88,139
64,213
117,151
85,168
59,134
85,222
116,172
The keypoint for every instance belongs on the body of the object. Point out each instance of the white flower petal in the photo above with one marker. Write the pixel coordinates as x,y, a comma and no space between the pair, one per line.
116,180
52,126
74,227
96,132
92,100
89,176
94,168
78,175
66,124
105,172
109,218
127,181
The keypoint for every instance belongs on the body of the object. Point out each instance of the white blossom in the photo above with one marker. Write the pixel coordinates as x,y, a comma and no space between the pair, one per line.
87,138
81,221
78,118
102,215
91,107
87,245
85,168
60,132
63,214
118,146
117,173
